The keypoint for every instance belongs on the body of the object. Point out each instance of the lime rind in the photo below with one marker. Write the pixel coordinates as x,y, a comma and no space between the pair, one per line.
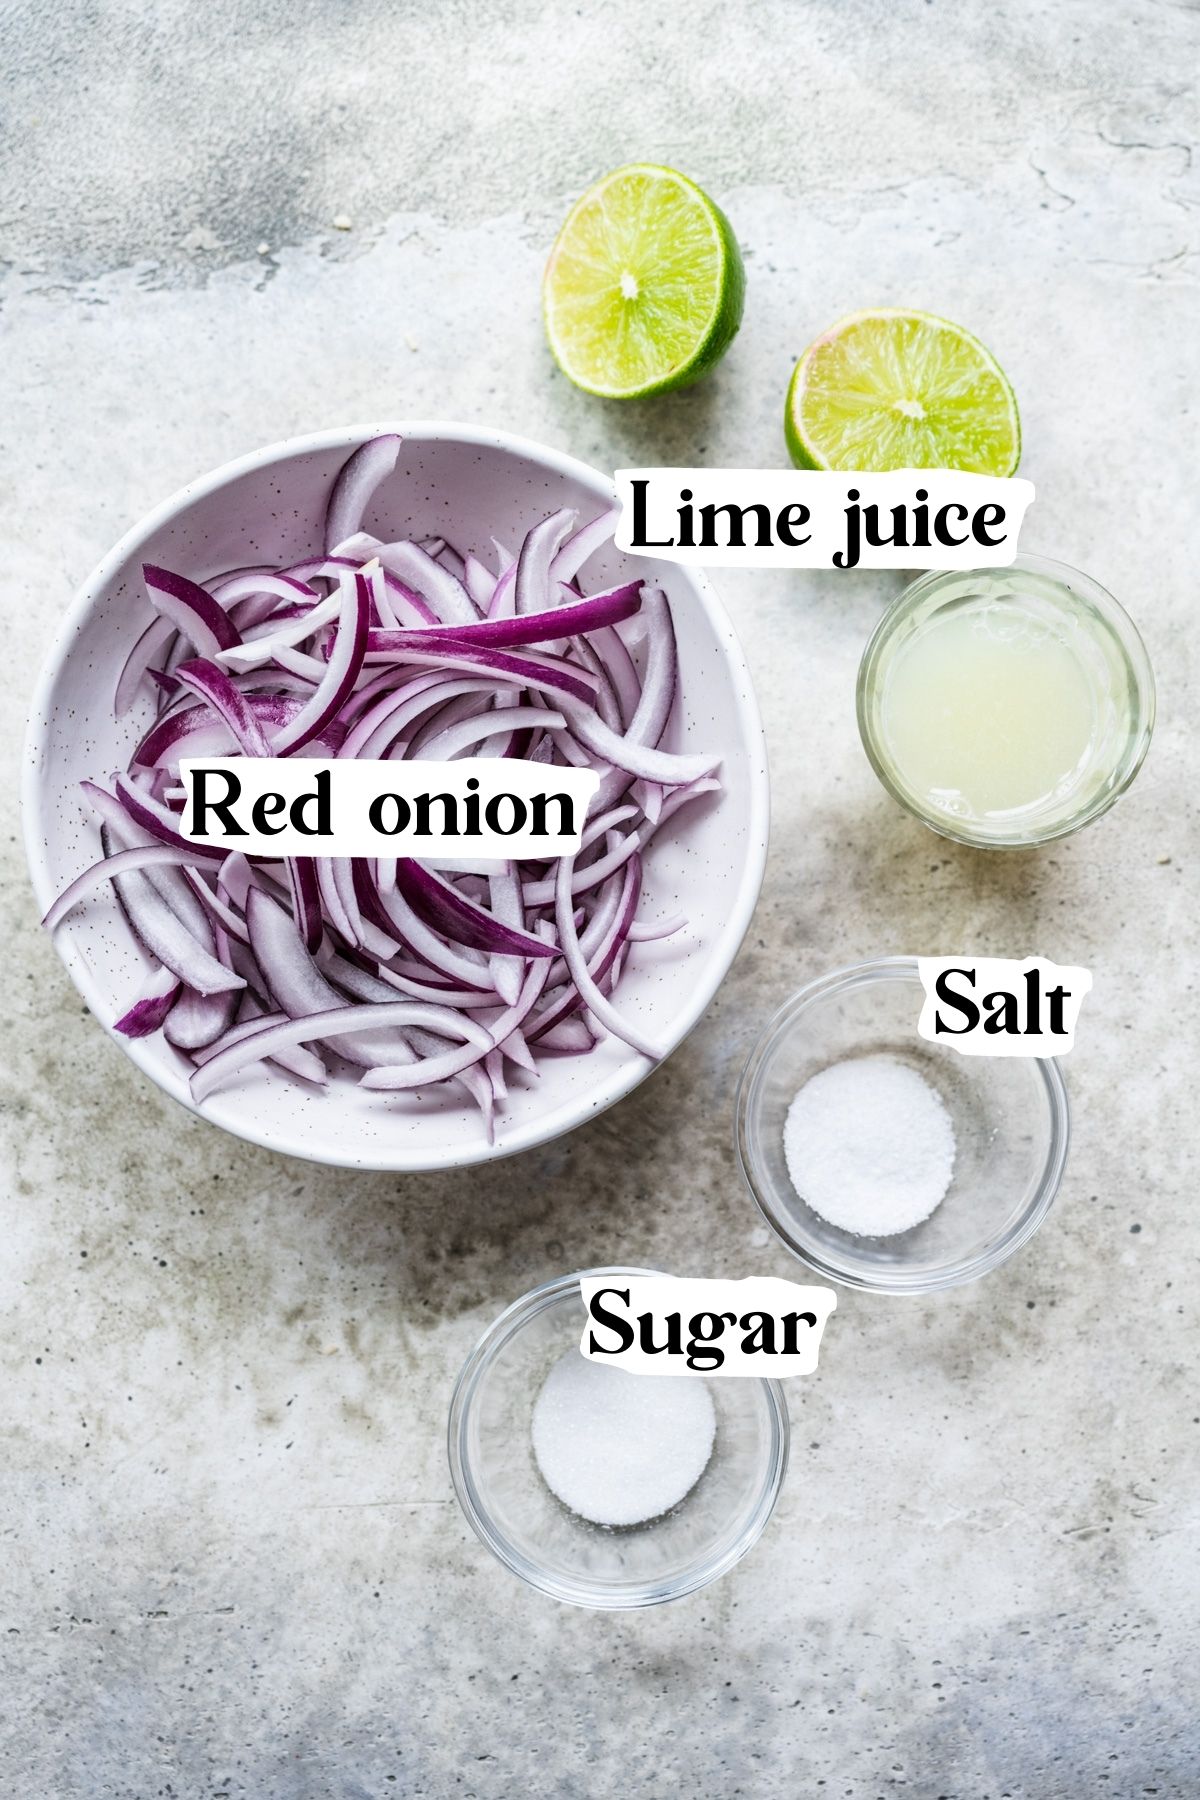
892,389
644,287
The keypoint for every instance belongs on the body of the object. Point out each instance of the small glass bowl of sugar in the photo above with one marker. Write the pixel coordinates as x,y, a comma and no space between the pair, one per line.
886,1162
600,1487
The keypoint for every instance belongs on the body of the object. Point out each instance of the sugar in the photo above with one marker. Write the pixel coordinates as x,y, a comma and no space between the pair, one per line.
870,1146
619,1448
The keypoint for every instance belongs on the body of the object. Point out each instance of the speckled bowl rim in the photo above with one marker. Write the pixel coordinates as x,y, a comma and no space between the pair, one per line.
610,1597
898,1281
721,950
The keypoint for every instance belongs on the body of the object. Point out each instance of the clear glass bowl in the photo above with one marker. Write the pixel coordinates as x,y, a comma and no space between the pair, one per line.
532,1533
1011,1126
1107,644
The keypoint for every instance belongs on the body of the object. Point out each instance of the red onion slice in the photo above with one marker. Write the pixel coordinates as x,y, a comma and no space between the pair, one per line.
591,537
549,623
191,609
153,1004
340,673
597,1003
445,909
306,899
333,1026
546,674
355,486
210,683
504,893
294,1058
441,591
107,869
533,587
636,759
197,1020
464,734
154,644
453,1062
166,938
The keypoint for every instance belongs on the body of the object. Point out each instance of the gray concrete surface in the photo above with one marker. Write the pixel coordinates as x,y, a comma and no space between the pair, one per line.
230,1560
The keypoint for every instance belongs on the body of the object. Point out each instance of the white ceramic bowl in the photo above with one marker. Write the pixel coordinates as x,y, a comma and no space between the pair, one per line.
469,484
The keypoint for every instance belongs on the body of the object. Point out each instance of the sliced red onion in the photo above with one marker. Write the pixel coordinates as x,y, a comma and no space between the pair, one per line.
107,869
334,1026
154,643
254,652
517,1051
650,796
294,1058
191,609
404,650
533,586
309,670
636,759
552,622
255,584
359,547
373,930
661,928
461,965
441,591
409,606
479,582
437,719
590,875
373,731
332,901
401,977
653,707
217,904
198,1020
343,666
170,881
153,1004
306,899
166,938
159,820
173,735
591,537
445,909
503,603
210,683
571,1036
473,1080
504,892
355,486
597,1003
298,986
613,652
453,1062
463,734
545,674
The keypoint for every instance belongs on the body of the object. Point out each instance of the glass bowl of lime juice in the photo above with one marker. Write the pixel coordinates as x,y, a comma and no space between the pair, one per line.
1006,707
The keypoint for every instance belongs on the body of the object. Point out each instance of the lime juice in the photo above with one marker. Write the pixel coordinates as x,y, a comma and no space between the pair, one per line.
1005,707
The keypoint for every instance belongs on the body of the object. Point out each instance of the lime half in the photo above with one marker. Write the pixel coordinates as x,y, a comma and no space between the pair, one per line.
644,287
901,390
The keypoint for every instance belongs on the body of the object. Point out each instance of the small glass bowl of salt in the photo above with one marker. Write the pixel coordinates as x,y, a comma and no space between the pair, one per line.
600,1487
886,1162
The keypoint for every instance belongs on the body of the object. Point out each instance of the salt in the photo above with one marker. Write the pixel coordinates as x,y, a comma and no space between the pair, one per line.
870,1146
619,1448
